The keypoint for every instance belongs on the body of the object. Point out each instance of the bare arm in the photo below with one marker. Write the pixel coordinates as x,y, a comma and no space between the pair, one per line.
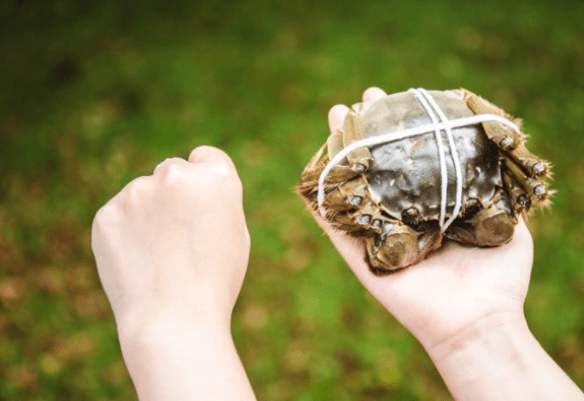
172,251
176,359
498,358
465,306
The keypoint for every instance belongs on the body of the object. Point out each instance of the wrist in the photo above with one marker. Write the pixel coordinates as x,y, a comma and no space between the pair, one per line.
496,349
499,358
171,357
492,330
162,326
169,337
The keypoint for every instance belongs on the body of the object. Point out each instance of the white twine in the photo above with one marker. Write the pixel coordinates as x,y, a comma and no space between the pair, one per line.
420,96
423,96
455,158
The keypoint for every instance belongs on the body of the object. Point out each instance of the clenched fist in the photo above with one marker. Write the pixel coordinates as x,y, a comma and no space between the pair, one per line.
174,242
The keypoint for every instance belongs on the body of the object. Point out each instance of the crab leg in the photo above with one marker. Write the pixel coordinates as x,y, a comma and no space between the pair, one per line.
509,140
518,194
391,245
348,195
534,165
369,216
351,131
357,209
317,164
308,185
505,137
337,174
492,226
537,189
522,166
359,159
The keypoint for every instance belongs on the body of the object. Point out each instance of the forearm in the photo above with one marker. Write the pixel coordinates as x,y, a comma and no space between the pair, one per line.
499,359
177,360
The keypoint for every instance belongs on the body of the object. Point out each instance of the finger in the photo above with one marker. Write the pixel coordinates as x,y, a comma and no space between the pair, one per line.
210,154
166,163
336,116
132,193
373,94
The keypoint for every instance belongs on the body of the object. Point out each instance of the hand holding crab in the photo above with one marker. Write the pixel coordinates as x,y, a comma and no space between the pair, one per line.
465,304
454,286
388,180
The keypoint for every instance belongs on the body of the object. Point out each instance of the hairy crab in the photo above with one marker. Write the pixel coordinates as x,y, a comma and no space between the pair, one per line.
417,166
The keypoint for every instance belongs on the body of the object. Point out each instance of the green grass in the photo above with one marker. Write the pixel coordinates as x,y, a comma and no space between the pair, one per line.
93,94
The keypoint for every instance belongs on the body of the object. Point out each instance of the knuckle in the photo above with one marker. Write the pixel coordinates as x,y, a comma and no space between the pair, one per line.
168,162
220,169
135,187
174,160
98,219
133,194
174,175
226,178
223,171
104,216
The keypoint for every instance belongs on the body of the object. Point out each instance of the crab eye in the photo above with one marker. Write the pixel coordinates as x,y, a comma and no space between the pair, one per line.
412,212
376,223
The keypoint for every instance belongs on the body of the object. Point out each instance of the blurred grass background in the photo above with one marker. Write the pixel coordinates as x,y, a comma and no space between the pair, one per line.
94,94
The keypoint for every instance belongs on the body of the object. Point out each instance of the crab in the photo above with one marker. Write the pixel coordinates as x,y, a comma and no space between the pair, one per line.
403,176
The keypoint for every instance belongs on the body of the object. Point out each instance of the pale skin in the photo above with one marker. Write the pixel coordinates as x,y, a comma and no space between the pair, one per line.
172,251
465,306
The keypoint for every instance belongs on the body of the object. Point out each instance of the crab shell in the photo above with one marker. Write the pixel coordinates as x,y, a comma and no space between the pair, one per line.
390,194
405,175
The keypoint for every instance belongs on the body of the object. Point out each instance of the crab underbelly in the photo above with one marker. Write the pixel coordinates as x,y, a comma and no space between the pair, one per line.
407,173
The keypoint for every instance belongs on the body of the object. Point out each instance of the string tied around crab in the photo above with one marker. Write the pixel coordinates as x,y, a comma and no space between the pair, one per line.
439,123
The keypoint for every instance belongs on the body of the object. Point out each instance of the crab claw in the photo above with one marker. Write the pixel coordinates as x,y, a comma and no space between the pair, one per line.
493,226
399,246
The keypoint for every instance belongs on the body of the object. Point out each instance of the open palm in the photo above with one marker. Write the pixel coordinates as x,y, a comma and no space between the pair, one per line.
453,288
